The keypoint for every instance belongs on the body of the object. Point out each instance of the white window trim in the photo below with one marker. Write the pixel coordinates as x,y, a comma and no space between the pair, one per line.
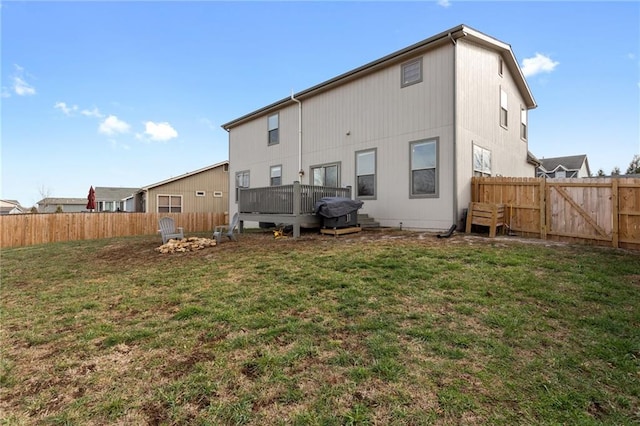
201,193
170,206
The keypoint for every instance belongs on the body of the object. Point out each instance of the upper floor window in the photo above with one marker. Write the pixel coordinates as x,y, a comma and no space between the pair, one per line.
275,176
366,174
503,109
411,72
424,168
500,67
326,175
523,123
169,203
481,161
242,181
273,122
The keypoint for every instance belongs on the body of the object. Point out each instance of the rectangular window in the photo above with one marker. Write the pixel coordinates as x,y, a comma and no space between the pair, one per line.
200,193
503,108
523,123
275,176
217,194
366,174
273,123
326,175
411,72
500,67
424,168
169,203
481,161
242,181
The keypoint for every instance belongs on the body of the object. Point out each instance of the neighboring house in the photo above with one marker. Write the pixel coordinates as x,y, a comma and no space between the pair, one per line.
110,199
573,166
203,190
11,207
68,205
406,132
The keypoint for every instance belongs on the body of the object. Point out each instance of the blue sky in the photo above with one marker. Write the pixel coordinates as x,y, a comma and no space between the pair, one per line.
132,93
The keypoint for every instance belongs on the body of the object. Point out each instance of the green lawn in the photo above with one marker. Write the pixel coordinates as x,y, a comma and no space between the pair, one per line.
393,328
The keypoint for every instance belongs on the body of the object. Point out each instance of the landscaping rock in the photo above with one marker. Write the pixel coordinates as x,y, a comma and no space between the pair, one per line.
185,244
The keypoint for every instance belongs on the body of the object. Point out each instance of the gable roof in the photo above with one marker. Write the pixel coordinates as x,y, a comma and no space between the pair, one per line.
448,36
571,162
63,201
195,172
104,193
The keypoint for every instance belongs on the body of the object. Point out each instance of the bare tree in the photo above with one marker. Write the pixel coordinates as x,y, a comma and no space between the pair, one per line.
634,166
45,194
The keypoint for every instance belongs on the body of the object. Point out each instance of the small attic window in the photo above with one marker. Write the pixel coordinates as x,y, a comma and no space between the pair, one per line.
411,72
500,67
217,194
200,193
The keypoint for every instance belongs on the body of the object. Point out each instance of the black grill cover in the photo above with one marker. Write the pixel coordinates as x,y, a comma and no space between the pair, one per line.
336,206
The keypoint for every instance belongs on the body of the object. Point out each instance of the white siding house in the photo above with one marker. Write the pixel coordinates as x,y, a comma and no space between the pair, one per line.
406,132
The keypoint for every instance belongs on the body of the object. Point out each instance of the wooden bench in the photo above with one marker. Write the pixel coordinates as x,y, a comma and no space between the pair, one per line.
486,214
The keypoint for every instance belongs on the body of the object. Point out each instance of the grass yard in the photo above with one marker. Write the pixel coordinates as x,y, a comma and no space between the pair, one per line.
375,328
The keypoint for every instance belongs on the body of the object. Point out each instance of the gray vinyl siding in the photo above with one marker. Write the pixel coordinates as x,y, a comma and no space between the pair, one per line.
212,180
370,112
478,103
457,102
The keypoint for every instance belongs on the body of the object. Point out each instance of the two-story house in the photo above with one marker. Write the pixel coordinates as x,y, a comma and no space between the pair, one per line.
406,132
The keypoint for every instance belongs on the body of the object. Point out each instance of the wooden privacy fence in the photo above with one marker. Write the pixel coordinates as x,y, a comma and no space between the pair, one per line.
29,229
603,211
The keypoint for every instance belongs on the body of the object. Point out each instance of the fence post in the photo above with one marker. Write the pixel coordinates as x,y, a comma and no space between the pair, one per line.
296,208
615,209
544,206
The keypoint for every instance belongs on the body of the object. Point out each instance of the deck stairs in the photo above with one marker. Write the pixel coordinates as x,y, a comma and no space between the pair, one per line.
367,222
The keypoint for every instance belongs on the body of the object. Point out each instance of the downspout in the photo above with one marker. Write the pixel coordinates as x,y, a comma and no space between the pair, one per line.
300,171
455,124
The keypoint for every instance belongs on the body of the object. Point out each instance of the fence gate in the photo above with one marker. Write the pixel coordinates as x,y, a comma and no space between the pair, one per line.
584,210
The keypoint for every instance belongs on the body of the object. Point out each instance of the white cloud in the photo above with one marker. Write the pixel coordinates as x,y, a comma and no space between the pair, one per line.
159,131
92,113
22,88
19,84
444,3
113,125
538,64
67,110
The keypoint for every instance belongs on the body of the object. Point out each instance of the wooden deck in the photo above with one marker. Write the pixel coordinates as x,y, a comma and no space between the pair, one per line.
285,204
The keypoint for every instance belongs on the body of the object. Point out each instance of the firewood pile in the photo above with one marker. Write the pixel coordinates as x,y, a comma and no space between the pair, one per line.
186,244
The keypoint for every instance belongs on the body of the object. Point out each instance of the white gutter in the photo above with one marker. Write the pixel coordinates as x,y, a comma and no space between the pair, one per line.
300,171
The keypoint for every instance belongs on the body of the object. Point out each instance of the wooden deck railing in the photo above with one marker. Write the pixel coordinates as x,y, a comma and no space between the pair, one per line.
291,204
286,199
